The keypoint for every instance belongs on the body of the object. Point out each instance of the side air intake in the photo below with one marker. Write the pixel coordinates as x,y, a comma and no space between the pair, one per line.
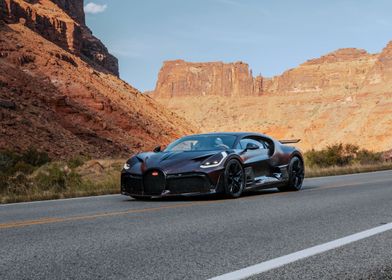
290,141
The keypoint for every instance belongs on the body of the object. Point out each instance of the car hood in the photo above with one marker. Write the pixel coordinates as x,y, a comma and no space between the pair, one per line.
173,162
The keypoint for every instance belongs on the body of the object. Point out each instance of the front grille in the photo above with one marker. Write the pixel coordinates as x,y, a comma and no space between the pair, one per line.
154,182
187,184
132,184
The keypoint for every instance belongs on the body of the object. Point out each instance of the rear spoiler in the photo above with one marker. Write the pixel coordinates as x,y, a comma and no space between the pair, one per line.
289,141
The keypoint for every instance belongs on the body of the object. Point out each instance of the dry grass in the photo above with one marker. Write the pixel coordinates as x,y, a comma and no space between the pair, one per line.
350,169
38,196
56,180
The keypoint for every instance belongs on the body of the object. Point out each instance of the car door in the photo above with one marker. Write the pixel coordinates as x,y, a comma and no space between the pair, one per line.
256,161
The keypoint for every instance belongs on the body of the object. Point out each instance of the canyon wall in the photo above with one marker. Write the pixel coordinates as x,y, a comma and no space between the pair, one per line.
345,70
344,96
54,99
61,22
180,78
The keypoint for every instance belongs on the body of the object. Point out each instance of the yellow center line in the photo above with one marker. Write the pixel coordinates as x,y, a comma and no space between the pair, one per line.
98,215
42,221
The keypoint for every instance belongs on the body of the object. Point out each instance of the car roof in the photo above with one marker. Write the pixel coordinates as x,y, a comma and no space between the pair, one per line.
238,134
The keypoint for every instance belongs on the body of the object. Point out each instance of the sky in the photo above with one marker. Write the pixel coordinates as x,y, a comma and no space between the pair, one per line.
271,36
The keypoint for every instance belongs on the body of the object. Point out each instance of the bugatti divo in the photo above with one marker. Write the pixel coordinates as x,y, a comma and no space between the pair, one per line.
226,163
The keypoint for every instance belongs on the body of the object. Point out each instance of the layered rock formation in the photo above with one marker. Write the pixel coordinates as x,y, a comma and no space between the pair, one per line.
53,100
73,8
180,78
61,22
380,76
344,96
344,70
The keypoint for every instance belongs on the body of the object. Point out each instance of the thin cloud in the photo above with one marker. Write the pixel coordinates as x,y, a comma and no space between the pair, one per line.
93,8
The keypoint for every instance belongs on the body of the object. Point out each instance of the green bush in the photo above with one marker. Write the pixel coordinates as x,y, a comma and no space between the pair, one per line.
366,157
341,155
52,177
11,162
57,177
77,161
8,160
19,184
34,157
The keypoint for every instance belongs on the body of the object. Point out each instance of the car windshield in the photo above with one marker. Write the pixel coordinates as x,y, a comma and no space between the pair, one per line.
202,143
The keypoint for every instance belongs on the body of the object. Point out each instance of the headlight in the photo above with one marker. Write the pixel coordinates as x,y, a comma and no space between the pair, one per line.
214,161
131,162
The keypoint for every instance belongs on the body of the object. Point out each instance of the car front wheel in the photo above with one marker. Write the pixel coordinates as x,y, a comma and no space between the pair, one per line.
234,179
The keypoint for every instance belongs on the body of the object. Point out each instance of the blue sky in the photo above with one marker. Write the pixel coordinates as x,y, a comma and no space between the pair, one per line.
271,36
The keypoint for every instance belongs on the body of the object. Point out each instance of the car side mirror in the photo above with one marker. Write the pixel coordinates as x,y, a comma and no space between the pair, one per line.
251,146
157,149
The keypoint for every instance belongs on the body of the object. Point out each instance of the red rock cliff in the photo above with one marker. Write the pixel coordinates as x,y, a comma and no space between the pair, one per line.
180,78
63,23
345,70
51,97
343,96
380,77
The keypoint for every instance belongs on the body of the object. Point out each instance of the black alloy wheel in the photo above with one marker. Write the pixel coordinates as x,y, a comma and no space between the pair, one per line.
234,178
296,175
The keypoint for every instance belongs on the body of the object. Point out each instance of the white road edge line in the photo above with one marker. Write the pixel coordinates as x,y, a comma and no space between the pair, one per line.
60,199
280,261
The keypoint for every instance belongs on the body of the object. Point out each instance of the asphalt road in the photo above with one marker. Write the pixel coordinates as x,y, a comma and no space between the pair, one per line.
115,237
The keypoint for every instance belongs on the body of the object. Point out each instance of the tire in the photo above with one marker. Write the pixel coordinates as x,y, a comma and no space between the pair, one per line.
296,175
234,179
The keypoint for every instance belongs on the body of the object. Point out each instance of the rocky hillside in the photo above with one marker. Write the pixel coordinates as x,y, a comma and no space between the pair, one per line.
55,96
344,96
345,71
63,23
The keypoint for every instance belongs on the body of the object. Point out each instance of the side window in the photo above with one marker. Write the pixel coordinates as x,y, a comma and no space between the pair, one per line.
262,143
268,148
243,142
239,145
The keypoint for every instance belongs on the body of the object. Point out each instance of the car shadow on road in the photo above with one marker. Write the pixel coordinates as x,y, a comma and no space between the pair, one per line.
209,197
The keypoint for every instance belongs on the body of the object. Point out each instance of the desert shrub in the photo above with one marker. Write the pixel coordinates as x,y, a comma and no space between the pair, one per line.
15,167
8,159
341,155
74,180
53,176
34,157
11,162
367,157
77,161
3,183
56,177
19,184
21,167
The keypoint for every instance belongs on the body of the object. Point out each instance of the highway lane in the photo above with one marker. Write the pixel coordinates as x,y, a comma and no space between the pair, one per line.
114,237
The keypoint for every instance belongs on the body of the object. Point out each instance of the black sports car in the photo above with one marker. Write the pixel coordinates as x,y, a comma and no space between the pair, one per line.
227,163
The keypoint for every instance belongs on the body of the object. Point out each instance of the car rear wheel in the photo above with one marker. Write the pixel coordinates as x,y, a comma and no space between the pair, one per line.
296,175
234,179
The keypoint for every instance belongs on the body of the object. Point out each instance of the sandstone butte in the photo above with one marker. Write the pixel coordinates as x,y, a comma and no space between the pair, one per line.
342,97
59,90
